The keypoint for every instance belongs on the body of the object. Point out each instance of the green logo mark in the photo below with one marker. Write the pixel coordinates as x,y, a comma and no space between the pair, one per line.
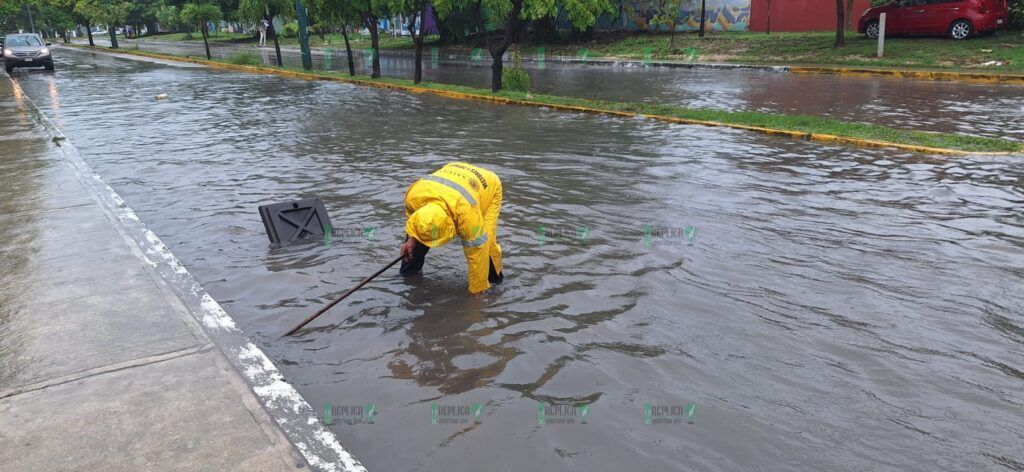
328,235
691,233
370,233
328,414
540,235
371,411
583,232
478,412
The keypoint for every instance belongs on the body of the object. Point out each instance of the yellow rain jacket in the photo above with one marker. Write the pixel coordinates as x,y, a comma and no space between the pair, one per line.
459,200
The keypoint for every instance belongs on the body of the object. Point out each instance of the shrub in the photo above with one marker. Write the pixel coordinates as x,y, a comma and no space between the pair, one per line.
245,58
290,30
515,78
1016,12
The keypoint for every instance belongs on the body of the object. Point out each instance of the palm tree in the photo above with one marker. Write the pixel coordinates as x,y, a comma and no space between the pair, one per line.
201,14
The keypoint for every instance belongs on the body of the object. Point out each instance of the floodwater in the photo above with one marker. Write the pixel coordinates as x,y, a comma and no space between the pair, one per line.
977,109
814,307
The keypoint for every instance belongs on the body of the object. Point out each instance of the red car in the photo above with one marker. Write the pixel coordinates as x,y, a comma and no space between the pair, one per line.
958,19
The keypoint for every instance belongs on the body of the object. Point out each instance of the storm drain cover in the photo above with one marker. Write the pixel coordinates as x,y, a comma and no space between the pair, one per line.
294,221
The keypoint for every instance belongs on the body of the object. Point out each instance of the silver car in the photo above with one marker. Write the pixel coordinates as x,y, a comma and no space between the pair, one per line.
26,50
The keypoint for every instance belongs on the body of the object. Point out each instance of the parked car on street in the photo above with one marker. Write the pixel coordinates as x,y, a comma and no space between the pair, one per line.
26,50
958,19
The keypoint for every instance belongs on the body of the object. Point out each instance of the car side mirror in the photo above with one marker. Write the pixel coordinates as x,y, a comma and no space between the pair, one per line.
49,44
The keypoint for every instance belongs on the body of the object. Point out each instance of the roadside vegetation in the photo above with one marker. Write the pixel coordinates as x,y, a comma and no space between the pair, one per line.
1003,51
491,28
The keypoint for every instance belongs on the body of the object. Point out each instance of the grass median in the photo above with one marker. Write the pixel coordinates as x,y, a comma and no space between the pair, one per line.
797,126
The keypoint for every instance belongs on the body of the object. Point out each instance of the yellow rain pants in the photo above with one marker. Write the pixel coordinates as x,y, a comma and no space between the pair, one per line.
459,200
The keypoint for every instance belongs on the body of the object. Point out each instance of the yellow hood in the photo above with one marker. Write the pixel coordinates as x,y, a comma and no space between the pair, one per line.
431,225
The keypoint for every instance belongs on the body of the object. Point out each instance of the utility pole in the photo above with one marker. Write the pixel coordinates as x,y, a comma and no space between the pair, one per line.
701,33
31,24
307,57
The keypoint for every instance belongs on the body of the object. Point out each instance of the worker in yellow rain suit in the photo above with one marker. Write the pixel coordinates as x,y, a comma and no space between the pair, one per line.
459,200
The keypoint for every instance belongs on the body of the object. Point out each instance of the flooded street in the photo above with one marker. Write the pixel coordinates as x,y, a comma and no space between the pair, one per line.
819,307
977,109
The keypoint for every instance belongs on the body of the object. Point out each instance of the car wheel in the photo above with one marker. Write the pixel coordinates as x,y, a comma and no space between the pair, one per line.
961,29
871,30
49,66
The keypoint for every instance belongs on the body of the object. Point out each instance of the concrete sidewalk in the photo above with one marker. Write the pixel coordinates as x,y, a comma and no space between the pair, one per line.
103,364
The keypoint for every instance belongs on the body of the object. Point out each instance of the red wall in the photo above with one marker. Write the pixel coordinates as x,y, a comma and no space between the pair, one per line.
800,15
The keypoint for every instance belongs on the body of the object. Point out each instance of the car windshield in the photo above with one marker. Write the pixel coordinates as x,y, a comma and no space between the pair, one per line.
22,41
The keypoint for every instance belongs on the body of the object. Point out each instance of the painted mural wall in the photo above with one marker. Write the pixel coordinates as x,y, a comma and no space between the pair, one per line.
722,15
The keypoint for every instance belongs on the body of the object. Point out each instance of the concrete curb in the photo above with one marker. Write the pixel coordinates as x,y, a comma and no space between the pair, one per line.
819,137
947,76
299,422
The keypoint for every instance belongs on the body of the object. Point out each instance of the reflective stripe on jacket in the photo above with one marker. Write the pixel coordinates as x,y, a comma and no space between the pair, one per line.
470,197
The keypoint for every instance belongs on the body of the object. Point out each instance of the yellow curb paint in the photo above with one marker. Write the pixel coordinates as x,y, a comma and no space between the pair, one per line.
949,76
803,135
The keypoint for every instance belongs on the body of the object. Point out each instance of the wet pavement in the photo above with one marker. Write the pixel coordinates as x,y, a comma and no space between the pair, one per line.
101,368
977,109
836,309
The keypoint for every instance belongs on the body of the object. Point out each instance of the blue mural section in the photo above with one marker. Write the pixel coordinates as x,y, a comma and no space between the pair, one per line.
636,15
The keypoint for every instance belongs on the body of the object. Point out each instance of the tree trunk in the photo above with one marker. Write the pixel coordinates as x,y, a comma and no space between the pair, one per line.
496,69
277,45
88,32
374,47
849,13
498,46
205,41
417,39
348,50
113,37
840,25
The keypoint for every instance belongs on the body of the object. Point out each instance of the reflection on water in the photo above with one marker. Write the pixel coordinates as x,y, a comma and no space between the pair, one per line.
839,308
976,109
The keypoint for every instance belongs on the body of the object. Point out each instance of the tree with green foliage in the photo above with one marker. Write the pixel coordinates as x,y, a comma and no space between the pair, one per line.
56,16
370,13
502,21
105,12
341,14
200,15
168,17
255,10
667,15
416,11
